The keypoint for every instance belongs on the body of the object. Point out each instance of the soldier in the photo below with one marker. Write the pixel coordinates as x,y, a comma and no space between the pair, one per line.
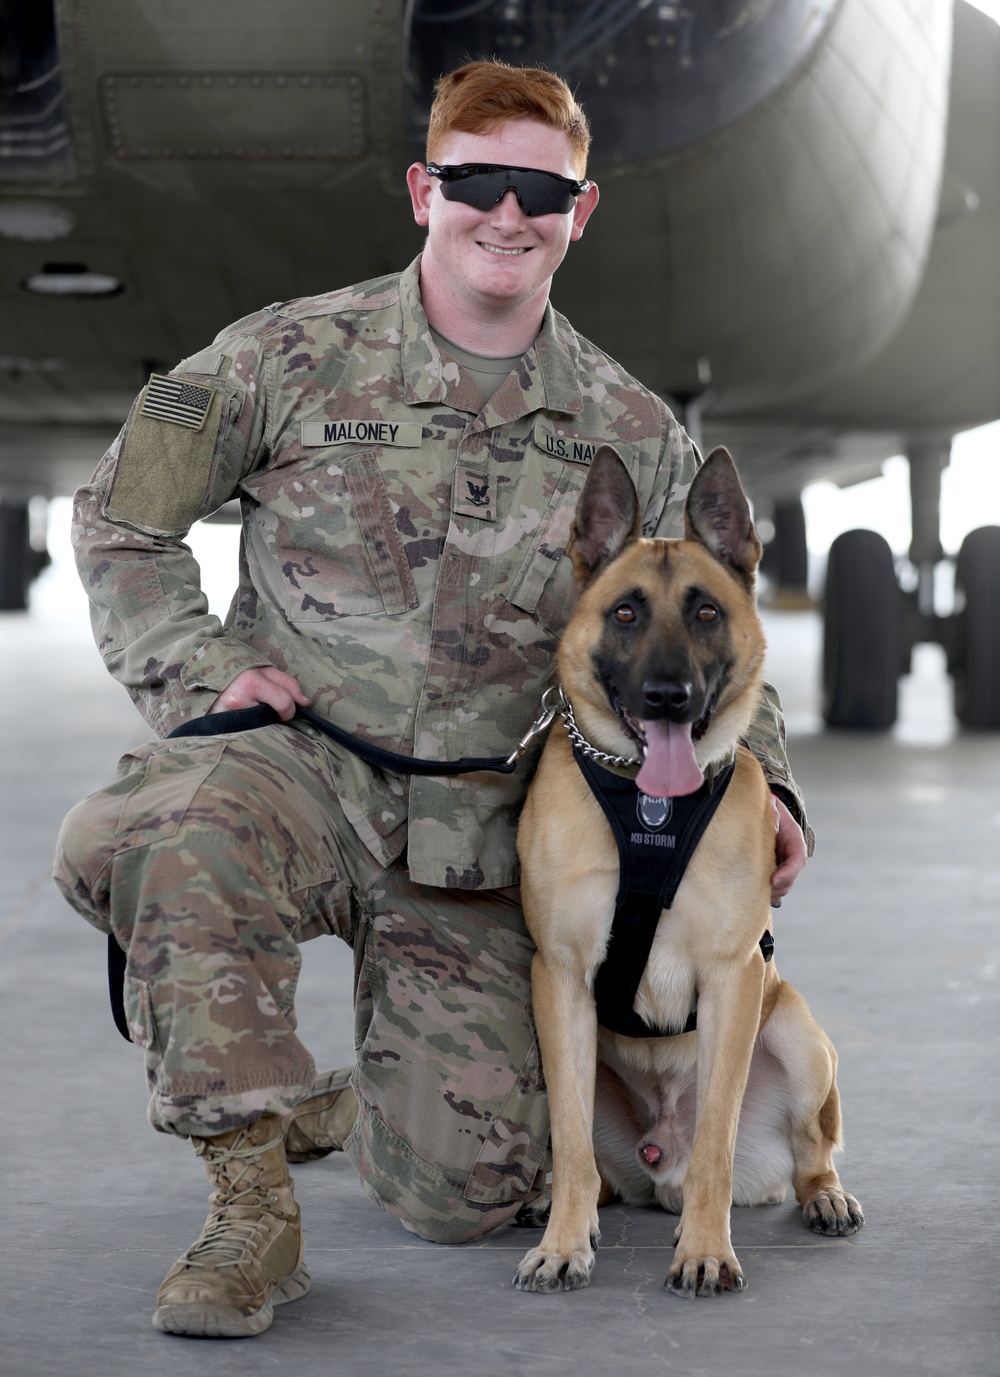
407,454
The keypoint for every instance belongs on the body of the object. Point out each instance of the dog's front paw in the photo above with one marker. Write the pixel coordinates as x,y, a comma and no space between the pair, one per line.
553,1269
834,1213
703,1271
704,1277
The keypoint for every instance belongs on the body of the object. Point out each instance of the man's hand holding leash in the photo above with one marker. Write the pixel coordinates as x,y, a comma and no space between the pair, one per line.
265,685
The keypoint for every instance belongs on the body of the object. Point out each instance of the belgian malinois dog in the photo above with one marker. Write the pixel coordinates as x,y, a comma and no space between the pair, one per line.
715,1086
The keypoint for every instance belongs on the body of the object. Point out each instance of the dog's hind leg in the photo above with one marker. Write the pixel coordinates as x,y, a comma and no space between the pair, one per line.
810,1063
826,1207
567,1034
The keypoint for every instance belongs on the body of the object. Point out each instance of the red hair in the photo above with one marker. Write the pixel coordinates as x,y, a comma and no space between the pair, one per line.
476,98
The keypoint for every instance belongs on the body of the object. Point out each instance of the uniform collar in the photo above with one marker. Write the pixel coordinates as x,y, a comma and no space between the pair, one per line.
547,378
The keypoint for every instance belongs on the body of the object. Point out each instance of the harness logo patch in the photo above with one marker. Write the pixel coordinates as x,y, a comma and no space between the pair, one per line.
654,814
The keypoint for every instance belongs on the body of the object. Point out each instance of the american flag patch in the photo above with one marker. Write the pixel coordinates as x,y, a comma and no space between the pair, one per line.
173,399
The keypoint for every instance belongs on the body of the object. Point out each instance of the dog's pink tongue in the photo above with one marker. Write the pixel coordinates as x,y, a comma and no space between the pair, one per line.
670,768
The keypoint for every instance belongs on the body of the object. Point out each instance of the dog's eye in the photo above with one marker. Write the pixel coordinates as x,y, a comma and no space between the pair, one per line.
707,613
624,613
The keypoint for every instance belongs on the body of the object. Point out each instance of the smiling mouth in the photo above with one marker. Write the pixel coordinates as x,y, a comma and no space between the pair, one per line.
504,253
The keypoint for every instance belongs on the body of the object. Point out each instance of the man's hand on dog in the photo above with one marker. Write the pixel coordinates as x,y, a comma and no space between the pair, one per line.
265,685
789,850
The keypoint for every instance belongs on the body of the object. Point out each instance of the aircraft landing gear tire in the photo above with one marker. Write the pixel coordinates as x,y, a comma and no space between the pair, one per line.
975,664
862,633
15,556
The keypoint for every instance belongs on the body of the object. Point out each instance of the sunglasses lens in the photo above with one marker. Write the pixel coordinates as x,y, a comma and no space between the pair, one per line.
479,189
544,195
537,192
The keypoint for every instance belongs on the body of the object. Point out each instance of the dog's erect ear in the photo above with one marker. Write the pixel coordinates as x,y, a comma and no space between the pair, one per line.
607,516
718,515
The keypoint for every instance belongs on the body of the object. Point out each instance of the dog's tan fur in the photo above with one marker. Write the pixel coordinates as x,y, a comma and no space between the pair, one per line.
746,1105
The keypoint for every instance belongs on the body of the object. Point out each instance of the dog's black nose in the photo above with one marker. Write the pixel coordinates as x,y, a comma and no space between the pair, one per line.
666,695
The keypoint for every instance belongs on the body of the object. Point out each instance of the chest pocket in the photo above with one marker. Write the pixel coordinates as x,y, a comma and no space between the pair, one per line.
332,545
544,585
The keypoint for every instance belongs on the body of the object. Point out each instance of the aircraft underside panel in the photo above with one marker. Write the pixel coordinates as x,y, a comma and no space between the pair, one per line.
770,174
783,250
653,78
35,143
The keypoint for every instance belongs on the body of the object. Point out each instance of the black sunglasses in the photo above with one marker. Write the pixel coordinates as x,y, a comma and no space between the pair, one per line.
482,184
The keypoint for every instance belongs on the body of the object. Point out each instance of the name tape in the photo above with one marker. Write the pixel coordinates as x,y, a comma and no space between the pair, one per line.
407,434
575,448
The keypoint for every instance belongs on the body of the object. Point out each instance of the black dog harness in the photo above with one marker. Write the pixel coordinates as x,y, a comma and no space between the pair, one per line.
656,838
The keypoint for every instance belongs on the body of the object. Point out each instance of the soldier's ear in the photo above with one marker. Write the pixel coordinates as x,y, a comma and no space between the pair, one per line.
420,186
718,515
607,516
583,208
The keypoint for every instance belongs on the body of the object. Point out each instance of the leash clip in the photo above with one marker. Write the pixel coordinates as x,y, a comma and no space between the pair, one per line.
552,702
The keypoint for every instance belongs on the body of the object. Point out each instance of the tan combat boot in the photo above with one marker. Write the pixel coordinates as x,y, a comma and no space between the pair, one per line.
320,1123
249,1256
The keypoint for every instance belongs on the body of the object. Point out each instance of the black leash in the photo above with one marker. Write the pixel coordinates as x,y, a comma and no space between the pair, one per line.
262,715
249,719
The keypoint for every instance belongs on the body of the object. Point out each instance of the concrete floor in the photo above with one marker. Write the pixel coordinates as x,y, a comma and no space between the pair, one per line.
891,934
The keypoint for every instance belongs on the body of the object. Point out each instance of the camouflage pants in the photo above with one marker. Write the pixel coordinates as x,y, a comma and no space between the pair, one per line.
210,860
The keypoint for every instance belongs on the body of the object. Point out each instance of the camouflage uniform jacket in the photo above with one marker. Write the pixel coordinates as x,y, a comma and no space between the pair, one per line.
402,546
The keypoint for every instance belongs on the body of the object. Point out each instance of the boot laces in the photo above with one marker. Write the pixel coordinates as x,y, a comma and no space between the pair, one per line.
228,1235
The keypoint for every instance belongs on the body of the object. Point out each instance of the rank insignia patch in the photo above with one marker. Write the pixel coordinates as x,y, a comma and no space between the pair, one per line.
474,494
174,399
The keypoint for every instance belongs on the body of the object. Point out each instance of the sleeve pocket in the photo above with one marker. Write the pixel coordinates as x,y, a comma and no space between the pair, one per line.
163,475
